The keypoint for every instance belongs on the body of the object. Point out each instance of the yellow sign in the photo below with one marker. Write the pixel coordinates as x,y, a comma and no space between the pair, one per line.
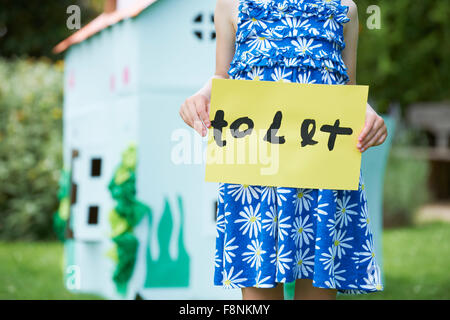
285,134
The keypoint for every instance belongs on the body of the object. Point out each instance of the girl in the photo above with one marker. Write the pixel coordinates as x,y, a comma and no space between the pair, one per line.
266,236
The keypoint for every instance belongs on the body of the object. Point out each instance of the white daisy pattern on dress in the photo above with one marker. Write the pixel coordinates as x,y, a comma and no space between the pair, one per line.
362,189
260,43
267,235
331,225
331,23
328,76
251,218
328,259
244,192
220,224
338,274
302,199
342,243
228,250
344,212
283,227
232,281
373,280
259,283
280,74
282,193
295,24
220,193
367,255
217,260
282,260
256,73
303,264
255,253
305,78
305,46
320,209
269,194
364,219
302,232
271,222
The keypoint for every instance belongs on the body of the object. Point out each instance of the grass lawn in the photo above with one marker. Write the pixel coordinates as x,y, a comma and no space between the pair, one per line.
416,264
33,271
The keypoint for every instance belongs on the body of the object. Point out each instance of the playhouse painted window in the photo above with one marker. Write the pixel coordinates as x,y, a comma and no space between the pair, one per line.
93,215
96,167
73,193
215,210
202,26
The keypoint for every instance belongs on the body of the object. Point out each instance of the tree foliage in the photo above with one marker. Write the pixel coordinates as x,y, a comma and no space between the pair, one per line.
407,60
33,28
30,147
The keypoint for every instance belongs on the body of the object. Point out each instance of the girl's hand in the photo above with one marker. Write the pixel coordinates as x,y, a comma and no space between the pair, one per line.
194,110
374,132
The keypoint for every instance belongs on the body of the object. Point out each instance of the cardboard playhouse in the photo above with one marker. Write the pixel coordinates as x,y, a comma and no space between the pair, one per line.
136,217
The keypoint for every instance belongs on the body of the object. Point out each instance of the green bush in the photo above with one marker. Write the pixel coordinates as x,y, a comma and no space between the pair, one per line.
405,189
407,60
30,146
406,180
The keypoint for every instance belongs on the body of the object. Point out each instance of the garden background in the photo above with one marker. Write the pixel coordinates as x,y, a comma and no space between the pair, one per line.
405,62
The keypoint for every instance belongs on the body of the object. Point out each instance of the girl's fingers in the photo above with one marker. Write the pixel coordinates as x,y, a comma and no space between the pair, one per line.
372,141
191,114
367,127
381,129
196,122
208,108
202,113
373,131
362,137
377,139
382,139
377,127
183,115
188,116
194,114
198,126
383,134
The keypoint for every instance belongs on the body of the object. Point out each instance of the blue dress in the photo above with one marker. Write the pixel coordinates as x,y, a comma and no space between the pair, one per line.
266,235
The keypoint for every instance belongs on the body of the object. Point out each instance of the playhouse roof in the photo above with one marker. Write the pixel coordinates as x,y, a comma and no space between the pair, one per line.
101,22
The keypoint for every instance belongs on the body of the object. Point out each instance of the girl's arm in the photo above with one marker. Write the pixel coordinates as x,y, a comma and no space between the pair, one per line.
375,131
195,109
